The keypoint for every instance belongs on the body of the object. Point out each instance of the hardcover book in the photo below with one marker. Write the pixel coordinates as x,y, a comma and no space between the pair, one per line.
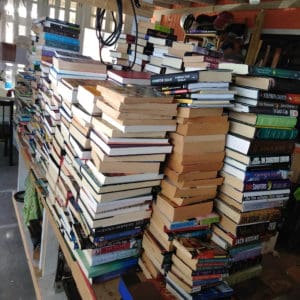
129,77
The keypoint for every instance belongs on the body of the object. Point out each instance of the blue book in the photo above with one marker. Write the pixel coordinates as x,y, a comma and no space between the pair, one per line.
60,38
117,235
103,269
60,45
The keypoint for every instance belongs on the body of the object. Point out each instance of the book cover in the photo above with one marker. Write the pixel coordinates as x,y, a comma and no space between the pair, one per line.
129,77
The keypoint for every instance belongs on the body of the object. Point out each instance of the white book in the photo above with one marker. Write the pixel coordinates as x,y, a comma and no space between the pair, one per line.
129,150
87,198
82,153
114,211
108,179
246,92
138,128
67,94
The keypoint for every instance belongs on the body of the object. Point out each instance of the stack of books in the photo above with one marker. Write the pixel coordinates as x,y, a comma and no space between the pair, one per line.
154,41
52,34
198,89
120,53
183,211
256,171
108,161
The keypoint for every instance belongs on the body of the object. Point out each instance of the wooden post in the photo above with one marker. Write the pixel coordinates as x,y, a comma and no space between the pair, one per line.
255,39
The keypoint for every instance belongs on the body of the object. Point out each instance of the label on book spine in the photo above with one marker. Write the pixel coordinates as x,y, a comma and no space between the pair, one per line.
175,78
267,185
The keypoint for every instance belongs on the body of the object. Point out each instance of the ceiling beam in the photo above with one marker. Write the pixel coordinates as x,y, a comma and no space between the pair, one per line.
228,7
146,9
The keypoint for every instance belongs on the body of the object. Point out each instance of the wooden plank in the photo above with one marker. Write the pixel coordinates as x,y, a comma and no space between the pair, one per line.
146,9
28,253
255,39
229,7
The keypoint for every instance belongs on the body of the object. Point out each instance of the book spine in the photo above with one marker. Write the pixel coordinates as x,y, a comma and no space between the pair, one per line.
246,254
183,224
68,33
159,34
269,160
245,264
274,72
276,104
293,99
278,96
60,22
121,265
246,240
271,147
260,216
267,185
211,59
251,229
204,282
164,29
48,53
264,204
117,246
120,227
118,235
61,39
271,110
209,272
60,45
175,78
276,134
260,175
112,256
198,234
275,121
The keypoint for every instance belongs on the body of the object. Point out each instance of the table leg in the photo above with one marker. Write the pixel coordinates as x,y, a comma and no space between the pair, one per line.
11,133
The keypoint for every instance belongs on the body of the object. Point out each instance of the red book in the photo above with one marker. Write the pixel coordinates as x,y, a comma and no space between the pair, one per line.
130,77
293,99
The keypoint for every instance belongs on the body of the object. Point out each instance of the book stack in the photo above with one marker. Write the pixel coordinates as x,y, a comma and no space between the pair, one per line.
256,171
198,89
101,190
158,40
120,53
201,58
183,211
52,34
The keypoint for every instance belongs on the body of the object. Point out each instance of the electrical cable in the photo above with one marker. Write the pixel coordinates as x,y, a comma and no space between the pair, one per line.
118,24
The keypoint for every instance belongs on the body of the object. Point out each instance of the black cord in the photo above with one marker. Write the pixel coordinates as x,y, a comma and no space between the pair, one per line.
118,24
114,36
137,4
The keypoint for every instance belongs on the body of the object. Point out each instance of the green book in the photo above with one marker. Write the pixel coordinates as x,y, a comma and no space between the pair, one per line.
276,121
163,28
276,134
280,73
261,120
98,270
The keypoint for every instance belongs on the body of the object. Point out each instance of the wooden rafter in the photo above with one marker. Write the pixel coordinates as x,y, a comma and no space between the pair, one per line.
228,7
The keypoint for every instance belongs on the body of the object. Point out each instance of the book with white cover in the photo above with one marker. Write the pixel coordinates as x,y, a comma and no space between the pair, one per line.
138,128
122,178
129,150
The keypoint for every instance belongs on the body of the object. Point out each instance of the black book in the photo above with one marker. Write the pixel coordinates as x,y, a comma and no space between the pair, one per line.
159,34
286,85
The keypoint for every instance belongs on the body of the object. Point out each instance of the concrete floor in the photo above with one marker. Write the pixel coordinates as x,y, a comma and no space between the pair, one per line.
15,279
280,279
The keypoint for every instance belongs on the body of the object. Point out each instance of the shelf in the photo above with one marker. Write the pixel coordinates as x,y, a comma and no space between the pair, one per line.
201,36
43,286
103,291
